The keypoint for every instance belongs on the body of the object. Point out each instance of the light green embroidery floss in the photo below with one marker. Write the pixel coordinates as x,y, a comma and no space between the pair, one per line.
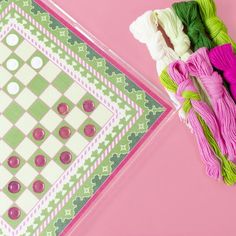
214,25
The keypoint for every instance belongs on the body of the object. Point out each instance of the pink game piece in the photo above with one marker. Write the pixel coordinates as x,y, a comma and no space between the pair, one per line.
38,134
88,105
13,162
14,187
66,157
40,161
65,132
14,213
89,130
38,186
63,109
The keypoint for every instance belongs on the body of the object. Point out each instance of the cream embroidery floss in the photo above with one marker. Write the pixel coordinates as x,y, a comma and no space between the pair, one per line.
173,28
144,29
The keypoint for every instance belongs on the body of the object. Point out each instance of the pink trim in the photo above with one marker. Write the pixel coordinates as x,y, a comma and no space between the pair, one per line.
134,79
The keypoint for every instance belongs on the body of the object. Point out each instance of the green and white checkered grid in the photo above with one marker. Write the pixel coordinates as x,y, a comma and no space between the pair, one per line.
31,88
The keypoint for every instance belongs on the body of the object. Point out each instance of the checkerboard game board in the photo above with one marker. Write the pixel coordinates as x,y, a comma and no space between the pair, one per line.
68,119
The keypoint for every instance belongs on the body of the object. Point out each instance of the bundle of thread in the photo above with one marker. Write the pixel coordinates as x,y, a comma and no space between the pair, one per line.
190,79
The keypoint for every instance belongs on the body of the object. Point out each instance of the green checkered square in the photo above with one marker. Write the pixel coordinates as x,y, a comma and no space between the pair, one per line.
31,161
62,82
14,223
14,137
13,63
57,130
63,99
14,170
13,40
89,121
38,85
37,61
87,96
47,186
13,112
38,142
7,88
58,161
38,109
14,196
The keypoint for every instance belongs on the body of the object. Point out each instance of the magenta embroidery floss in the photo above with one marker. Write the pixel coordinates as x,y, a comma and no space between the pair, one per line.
199,65
190,99
223,58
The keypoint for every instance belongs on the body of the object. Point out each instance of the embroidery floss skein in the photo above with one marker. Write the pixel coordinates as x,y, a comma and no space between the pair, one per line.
223,58
173,28
199,65
214,25
202,120
144,29
188,12
187,94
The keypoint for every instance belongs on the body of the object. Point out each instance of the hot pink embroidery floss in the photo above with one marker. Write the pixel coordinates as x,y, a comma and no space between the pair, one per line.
199,65
223,58
188,95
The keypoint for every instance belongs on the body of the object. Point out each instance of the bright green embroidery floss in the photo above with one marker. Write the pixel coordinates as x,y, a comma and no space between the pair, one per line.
214,25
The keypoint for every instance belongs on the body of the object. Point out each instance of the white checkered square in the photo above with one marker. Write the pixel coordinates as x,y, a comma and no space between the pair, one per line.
5,76
25,74
25,50
76,117
75,92
101,115
52,172
51,120
5,100
5,176
26,148
5,203
5,53
26,174
26,98
50,96
5,126
76,143
50,71
51,146
26,201
26,123
6,150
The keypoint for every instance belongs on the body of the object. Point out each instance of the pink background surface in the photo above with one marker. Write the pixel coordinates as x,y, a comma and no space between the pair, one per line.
165,192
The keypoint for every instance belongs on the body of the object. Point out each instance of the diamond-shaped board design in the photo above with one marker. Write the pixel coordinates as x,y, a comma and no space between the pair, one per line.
68,119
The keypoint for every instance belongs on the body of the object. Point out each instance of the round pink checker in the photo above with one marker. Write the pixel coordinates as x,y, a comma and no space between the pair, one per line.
38,134
88,105
40,160
14,187
63,109
38,186
66,157
14,213
89,130
65,132
13,162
